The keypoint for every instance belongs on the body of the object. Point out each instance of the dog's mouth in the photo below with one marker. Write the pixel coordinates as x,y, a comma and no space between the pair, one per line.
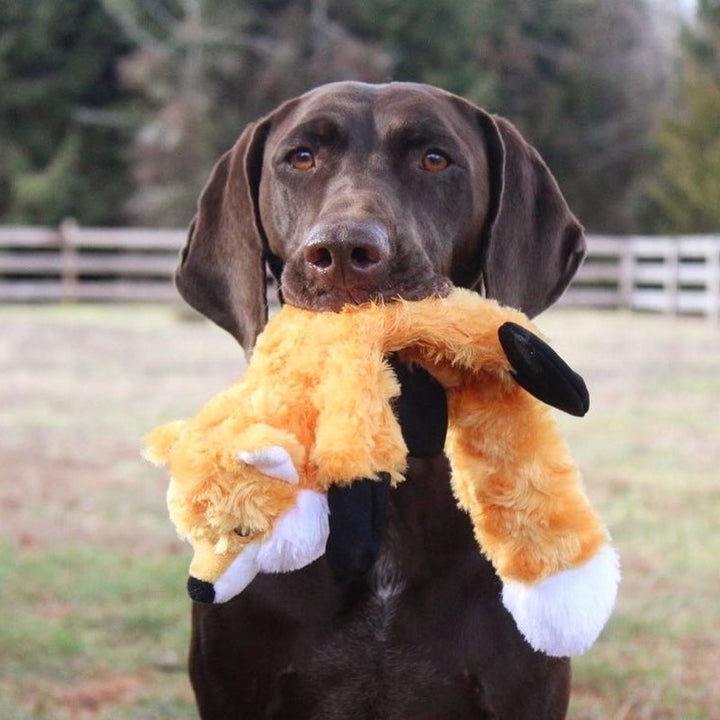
351,261
333,299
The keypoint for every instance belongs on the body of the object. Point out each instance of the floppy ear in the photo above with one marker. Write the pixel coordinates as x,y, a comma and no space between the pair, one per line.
532,245
222,266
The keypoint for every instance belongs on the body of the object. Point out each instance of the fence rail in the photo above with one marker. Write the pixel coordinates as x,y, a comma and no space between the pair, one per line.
659,274
72,263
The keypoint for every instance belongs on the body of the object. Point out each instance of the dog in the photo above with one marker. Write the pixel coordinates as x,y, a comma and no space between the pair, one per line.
348,193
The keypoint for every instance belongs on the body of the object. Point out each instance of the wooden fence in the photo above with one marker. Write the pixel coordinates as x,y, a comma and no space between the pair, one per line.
96,264
70,263
658,274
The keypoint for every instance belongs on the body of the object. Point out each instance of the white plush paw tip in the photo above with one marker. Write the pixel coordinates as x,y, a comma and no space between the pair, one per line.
564,614
274,461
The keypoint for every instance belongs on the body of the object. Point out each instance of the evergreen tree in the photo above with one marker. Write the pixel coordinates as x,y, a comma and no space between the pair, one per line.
581,80
166,85
205,68
685,197
60,141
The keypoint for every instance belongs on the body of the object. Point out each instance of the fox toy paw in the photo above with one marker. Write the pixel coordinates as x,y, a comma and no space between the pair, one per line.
564,614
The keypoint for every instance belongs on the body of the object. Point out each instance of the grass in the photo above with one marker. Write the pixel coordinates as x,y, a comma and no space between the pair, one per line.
650,453
93,632
92,575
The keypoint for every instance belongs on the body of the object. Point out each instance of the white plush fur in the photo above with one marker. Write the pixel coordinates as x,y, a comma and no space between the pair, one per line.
564,614
274,461
298,539
239,575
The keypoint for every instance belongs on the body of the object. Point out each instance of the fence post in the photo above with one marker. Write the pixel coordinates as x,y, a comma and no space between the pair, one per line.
68,251
713,281
626,281
672,262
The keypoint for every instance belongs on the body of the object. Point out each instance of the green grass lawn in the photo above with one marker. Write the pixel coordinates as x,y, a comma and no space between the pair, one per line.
95,617
94,633
650,450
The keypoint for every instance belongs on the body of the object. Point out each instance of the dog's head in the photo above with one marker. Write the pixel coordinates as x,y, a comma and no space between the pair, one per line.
353,192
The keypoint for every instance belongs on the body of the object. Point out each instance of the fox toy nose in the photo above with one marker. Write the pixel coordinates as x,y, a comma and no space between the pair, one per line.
200,591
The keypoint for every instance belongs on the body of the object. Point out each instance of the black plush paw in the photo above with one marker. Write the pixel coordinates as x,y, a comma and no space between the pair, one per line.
421,410
357,522
542,372
358,511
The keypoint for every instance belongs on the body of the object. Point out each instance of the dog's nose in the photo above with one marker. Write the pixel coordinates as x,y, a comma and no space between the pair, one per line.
347,254
200,590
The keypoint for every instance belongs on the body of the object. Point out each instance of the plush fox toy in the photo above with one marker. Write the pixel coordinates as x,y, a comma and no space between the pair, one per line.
250,472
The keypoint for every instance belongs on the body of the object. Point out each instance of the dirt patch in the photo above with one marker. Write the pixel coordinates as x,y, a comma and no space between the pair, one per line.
89,697
106,696
80,389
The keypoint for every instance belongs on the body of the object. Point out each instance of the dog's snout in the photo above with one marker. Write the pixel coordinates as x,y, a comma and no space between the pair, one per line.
349,254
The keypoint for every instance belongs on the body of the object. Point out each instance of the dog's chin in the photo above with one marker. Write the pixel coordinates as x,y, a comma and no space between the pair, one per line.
334,299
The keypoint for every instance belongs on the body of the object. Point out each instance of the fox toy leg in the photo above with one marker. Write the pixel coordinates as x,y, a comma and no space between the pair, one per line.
513,474
357,435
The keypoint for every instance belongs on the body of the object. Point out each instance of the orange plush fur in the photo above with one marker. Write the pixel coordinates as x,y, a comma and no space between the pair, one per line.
319,388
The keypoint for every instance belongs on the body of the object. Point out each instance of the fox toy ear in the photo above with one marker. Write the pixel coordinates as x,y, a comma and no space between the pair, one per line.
542,372
274,461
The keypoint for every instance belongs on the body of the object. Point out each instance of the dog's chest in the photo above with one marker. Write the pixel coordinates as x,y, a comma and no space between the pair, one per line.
387,580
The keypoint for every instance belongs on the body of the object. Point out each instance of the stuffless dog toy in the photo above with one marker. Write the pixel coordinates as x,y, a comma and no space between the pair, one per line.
250,472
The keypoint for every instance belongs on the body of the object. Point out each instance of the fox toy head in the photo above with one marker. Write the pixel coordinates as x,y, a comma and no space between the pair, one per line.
242,512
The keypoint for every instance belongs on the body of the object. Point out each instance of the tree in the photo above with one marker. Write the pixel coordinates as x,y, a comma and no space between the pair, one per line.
581,79
90,86
59,129
205,68
685,195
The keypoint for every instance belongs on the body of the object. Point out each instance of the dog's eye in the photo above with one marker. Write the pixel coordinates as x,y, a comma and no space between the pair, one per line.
301,159
243,531
435,161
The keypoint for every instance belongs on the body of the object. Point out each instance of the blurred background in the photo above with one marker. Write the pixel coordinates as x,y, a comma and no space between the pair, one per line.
113,112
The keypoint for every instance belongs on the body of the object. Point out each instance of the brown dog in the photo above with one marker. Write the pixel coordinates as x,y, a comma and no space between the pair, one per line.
347,193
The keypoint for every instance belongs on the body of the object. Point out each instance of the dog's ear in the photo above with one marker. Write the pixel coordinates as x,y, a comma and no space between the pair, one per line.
222,266
532,244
